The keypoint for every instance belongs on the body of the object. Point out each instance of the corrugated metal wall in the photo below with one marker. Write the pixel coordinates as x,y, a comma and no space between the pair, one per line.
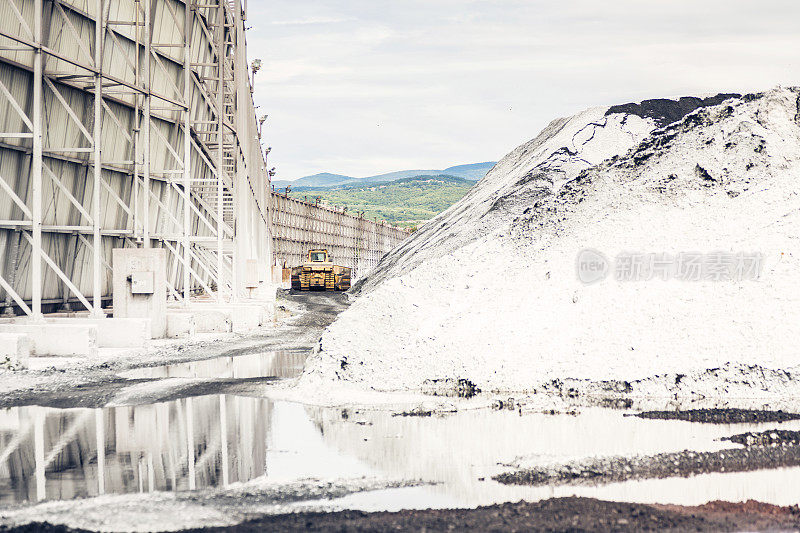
352,241
183,63
128,214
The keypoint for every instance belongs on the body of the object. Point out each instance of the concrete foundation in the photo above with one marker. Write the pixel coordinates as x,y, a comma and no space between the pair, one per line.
213,317
243,316
114,332
15,349
140,286
180,324
247,317
206,320
49,339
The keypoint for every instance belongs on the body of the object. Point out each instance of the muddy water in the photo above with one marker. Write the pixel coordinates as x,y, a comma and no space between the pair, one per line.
462,451
217,440
279,364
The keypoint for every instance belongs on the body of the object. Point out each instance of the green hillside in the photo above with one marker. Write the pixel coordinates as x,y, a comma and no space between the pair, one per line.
405,202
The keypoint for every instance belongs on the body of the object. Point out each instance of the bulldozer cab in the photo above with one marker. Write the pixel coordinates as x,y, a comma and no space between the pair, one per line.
319,272
318,256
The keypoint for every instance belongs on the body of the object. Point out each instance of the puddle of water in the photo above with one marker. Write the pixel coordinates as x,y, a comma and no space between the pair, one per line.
190,443
278,364
212,441
458,450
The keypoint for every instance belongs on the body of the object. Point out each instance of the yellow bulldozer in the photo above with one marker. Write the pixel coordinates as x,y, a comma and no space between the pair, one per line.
319,273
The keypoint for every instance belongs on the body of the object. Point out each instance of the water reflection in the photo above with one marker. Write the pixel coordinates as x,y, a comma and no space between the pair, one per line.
185,444
212,441
462,451
278,364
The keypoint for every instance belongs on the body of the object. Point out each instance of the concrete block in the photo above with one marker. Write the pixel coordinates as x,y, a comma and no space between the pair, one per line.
15,348
115,332
212,320
140,286
208,320
247,317
180,324
49,339
264,294
243,316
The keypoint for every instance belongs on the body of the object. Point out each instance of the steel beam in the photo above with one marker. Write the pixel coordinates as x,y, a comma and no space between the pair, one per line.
97,302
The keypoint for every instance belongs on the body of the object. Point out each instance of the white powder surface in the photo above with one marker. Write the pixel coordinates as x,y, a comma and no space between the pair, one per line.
488,292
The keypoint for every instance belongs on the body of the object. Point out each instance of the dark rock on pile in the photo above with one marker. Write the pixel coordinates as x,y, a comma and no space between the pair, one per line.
721,416
665,111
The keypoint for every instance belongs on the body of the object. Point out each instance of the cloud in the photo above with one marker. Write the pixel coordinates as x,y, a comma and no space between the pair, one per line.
309,21
362,87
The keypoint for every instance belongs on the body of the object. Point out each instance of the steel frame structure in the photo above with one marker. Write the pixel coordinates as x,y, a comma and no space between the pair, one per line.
126,123
352,240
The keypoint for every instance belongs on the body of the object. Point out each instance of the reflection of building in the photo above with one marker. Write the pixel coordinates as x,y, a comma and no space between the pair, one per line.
184,444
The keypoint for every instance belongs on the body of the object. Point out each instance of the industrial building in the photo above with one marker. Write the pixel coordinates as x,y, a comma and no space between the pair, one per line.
131,161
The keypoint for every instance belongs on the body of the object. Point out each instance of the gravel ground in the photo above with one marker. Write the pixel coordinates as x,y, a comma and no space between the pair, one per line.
558,514
305,316
681,464
774,437
92,384
722,416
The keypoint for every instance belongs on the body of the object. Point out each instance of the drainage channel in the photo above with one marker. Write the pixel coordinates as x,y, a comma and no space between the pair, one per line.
217,440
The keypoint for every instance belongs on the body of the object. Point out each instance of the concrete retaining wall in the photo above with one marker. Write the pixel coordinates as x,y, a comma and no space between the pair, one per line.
15,348
48,339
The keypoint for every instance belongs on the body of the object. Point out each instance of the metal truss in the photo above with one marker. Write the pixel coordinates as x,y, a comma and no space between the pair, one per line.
131,124
353,241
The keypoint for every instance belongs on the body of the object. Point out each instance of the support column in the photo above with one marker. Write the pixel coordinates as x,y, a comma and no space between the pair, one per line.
36,166
137,128
12,280
147,87
187,147
245,244
220,33
97,250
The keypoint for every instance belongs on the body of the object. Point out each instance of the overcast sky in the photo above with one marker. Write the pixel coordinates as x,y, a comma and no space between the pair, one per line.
361,87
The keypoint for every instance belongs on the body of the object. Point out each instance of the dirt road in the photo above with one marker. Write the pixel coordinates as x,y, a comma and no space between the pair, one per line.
302,316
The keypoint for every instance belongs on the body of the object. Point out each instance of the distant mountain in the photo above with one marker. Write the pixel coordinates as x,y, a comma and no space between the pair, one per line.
323,179
472,172
400,174
405,201
417,179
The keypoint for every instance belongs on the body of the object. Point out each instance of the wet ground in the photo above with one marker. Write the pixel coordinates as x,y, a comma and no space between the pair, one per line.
552,515
557,514
203,441
721,416
466,458
81,383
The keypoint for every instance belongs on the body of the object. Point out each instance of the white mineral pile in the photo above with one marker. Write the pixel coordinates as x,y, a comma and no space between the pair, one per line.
488,292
